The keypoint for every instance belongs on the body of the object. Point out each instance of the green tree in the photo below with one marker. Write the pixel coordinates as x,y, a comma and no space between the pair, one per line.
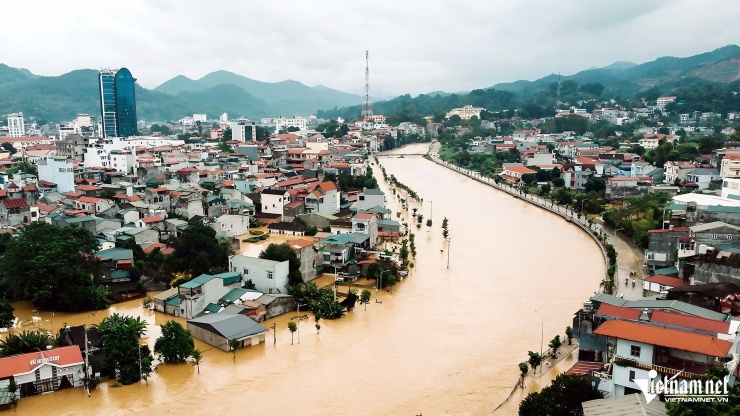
25,342
534,360
292,327
523,369
365,297
554,344
120,336
569,334
558,182
53,267
6,314
528,178
197,252
9,147
197,358
562,398
233,345
263,133
175,344
283,252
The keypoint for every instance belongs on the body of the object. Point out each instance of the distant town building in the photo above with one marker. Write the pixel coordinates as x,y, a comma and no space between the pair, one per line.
117,103
243,130
663,101
200,117
296,121
224,117
16,125
466,112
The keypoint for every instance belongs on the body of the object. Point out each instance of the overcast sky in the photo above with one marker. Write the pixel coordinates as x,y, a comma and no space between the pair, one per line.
416,46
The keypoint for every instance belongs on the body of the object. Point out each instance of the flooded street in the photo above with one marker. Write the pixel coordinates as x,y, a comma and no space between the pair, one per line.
446,341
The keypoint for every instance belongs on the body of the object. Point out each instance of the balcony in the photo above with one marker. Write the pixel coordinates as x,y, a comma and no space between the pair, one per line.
699,369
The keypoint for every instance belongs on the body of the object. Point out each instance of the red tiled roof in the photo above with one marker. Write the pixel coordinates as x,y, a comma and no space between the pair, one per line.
669,338
688,321
164,249
87,188
363,216
26,363
520,169
665,280
30,188
89,199
618,311
675,230
582,368
47,183
149,220
15,203
296,244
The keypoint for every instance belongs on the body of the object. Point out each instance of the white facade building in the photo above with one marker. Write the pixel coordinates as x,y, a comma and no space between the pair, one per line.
296,121
43,371
59,170
243,130
16,125
730,186
200,117
268,276
466,112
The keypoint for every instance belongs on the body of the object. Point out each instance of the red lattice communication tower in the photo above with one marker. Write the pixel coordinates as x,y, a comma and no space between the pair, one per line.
367,104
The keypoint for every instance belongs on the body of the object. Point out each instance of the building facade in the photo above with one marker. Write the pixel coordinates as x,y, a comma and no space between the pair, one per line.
117,103
16,125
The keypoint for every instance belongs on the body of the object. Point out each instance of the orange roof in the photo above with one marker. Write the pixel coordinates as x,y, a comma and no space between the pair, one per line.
618,311
520,169
164,249
26,363
364,216
688,321
89,199
669,338
665,280
296,244
149,220
328,186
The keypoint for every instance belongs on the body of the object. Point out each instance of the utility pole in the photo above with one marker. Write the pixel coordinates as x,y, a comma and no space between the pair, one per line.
449,244
274,334
87,364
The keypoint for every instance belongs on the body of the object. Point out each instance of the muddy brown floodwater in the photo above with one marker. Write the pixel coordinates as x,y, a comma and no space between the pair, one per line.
446,341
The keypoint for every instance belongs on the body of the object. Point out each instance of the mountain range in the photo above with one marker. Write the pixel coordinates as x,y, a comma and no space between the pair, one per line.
60,98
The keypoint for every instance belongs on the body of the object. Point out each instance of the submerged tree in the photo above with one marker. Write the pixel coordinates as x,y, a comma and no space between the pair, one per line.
176,343
292,327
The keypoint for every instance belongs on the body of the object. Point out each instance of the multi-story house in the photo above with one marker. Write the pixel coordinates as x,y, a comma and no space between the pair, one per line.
188,204
714,233
308,256
268,276
324,199
663,245
677,170
370,198
635,349
703,178
196,295
273,201
366,224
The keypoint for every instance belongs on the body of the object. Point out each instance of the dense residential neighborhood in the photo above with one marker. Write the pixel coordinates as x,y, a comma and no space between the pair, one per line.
167,213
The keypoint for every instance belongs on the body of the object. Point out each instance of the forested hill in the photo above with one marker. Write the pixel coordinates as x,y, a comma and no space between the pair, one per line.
623,81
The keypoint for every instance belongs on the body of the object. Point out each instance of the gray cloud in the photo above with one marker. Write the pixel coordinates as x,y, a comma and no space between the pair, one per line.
415,46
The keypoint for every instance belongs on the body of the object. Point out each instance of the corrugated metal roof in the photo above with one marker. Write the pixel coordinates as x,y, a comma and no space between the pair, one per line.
631,404
228,325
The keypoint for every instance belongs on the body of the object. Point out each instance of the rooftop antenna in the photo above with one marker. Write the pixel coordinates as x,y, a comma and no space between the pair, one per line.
367,104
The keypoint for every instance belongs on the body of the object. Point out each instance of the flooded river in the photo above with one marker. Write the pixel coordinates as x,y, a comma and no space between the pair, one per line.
446,341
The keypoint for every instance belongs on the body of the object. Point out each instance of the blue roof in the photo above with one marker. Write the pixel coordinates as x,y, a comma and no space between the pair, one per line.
174,301
229,277
338,239
198,281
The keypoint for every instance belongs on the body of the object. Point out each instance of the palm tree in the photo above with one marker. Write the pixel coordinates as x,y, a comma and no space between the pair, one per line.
25,342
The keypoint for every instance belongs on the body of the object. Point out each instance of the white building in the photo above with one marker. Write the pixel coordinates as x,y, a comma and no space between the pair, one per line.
200,117
58,170
224,117
205,289
43,371
296,121
85,125
268,276
730,186
243,130
273,201
16,125
369,198
231,226
466,112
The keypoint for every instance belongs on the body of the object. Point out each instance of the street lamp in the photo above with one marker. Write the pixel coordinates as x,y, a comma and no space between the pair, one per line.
449,243
377,286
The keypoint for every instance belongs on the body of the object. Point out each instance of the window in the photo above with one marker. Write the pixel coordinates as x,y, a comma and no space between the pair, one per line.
632,375
635,350
362,197
246,271
714,236
46,385
269,275
729,236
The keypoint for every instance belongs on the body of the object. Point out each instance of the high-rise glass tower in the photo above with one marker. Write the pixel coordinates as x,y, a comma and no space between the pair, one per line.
118,103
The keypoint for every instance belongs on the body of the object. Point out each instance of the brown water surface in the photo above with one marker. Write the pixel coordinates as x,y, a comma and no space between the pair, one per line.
446,341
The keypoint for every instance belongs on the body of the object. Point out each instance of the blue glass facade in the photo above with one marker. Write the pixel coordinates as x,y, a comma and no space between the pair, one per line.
118,103
108,103
125,103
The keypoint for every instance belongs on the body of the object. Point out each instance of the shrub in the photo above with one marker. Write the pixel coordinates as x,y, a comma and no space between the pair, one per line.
256,232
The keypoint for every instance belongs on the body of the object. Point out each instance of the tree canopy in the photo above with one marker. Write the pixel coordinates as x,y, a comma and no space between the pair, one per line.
176,343
283,252
53,267
197,252
562,398
120,336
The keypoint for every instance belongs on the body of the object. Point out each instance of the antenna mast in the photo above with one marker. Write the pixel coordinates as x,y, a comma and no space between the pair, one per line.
367,105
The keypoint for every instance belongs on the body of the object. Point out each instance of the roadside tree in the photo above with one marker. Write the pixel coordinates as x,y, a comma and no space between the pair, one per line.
176,343
534,360
292,327
562,398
